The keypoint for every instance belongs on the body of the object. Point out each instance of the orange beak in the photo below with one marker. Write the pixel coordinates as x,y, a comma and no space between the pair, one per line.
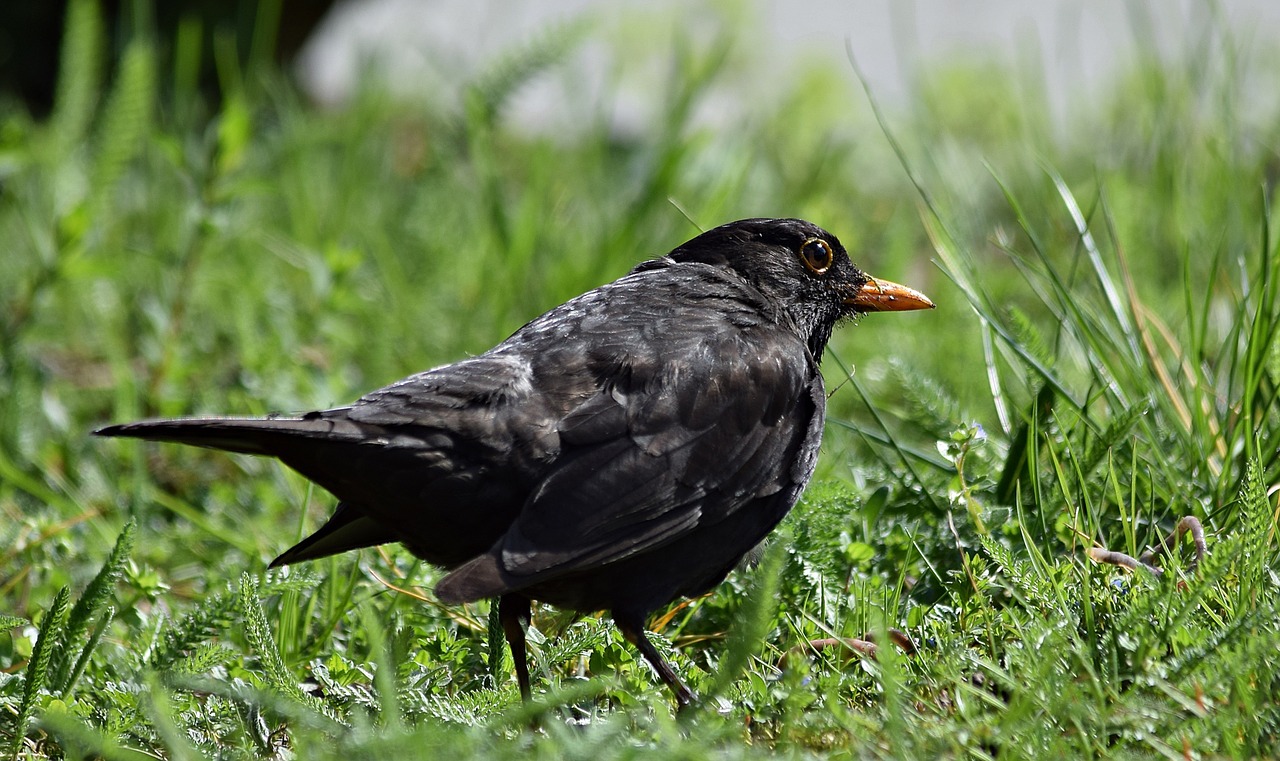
883,296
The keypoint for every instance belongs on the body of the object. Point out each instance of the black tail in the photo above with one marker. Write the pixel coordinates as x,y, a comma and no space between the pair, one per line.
321,446
348,529
261,436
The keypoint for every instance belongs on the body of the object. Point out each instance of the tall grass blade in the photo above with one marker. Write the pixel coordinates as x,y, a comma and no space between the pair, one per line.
755,618
385,677
80,740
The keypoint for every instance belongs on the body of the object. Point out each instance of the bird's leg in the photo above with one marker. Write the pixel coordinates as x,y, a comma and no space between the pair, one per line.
513,614
632,628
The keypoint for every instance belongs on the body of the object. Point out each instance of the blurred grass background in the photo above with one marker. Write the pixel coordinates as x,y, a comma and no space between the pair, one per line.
1102,363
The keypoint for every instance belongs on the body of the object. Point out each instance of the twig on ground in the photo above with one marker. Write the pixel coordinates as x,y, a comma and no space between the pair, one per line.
1149,559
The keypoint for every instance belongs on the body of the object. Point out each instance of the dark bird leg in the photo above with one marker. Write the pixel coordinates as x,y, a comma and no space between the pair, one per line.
632,628
513,614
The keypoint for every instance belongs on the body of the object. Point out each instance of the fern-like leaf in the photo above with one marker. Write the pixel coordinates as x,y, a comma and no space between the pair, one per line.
1258,534
489,95
79,72
928,403
51,631
126,121
91,602
261,640
195,628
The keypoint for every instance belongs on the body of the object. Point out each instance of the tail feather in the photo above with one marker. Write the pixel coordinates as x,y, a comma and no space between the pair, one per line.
348,529
320,446
261,436
476,579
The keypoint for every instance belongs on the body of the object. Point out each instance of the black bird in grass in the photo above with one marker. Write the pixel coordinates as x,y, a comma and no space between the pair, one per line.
624,449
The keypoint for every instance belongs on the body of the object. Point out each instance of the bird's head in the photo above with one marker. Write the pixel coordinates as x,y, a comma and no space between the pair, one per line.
803,269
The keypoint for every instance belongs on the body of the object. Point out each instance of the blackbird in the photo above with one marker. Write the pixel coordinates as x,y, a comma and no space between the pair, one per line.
624,449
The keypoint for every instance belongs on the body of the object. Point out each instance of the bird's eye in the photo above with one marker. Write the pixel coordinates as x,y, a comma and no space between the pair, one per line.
816,255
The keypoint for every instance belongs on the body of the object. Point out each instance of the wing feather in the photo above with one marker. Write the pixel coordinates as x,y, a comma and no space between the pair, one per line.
684,444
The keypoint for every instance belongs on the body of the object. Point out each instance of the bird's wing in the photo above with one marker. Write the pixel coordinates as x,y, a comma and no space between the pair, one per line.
687,434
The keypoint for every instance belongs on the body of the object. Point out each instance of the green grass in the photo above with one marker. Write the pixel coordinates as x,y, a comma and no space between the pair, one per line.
1103,362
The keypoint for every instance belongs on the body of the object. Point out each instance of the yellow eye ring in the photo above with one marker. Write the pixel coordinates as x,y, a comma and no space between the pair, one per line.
817,255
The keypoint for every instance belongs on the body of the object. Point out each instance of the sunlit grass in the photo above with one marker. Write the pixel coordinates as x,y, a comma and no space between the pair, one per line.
1103,362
